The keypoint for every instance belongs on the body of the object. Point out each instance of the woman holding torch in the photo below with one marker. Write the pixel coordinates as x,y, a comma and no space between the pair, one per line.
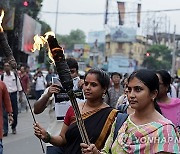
98,116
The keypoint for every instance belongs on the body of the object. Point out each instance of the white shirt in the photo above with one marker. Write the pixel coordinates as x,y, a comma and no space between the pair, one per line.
54,126
11,84
173,93
62,107
55,110
40,83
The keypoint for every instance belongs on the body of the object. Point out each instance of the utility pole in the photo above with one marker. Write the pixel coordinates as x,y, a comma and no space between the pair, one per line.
173,53
57,9
95,54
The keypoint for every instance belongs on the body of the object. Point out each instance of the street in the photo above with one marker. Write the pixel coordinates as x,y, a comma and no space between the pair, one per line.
25,142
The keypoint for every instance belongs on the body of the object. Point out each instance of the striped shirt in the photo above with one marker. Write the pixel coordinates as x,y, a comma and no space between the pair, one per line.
154,137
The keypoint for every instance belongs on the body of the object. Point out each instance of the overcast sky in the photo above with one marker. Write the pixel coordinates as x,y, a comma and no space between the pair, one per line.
66,23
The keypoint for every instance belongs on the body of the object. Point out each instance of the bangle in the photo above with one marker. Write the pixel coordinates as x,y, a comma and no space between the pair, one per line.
48,138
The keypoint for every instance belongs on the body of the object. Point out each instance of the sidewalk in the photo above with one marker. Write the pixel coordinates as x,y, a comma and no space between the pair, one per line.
25,142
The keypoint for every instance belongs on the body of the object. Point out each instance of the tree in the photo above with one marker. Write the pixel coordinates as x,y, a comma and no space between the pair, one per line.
30,7
75,37
44,27
159,57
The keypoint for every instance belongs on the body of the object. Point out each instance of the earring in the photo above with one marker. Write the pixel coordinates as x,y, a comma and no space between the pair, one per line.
104,95
153,99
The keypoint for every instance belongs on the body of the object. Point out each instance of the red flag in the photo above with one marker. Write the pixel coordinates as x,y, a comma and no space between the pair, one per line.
121,12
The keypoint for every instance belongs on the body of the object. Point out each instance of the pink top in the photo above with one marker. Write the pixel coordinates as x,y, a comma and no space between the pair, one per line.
171,110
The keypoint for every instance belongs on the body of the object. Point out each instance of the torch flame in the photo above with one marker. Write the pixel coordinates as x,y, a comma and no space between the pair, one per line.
40,41
1,18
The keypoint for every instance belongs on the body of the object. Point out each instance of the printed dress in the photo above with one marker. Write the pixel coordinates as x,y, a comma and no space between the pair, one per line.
149,138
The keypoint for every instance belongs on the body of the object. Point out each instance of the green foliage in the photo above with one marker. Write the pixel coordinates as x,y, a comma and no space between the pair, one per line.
4,4
75,37
160,58
32,9
44,27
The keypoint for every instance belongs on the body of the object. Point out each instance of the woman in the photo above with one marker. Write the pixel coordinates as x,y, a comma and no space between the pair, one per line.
170,107
146,130
98,116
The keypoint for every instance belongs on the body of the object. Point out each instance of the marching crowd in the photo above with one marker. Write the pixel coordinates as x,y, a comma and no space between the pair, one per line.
131,113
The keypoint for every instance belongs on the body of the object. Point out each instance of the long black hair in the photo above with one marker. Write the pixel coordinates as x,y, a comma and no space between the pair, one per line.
166,78
150,79
102,77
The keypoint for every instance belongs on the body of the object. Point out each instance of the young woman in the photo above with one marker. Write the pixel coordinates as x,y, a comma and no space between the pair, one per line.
146,130
170,107
98,116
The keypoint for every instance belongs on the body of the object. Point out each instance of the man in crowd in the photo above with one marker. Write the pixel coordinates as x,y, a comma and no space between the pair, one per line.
24,77
49,76
115,91
13,85
5,103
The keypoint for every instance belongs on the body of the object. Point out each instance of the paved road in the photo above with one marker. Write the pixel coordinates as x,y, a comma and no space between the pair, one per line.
24,142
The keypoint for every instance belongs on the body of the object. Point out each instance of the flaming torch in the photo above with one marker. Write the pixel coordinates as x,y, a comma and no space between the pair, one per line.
67,83
5,46
9,55
1,17
56,54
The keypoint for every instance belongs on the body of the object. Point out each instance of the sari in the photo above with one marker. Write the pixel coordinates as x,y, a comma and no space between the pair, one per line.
150,138
98,124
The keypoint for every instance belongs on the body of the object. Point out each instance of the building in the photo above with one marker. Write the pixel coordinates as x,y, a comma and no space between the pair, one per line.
126,43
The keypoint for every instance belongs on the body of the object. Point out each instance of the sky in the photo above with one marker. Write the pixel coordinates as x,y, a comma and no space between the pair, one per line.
87,23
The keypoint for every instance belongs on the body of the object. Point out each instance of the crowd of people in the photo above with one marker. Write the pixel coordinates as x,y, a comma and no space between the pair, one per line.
148,99
151,127
146,96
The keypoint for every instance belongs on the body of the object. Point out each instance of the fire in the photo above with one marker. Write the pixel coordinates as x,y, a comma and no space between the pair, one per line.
1,18
41,41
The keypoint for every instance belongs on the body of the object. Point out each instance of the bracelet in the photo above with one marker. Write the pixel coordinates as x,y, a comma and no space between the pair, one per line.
48,138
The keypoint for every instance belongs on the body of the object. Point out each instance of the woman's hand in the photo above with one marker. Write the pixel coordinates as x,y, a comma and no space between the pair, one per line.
40,132
89,149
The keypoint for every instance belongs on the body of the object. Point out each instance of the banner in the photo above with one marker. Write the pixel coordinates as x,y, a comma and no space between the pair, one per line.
123,34
30,28
138,15
121,12
96,35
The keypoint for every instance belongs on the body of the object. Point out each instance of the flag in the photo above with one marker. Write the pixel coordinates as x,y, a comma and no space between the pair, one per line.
138,15
121,12
106,14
